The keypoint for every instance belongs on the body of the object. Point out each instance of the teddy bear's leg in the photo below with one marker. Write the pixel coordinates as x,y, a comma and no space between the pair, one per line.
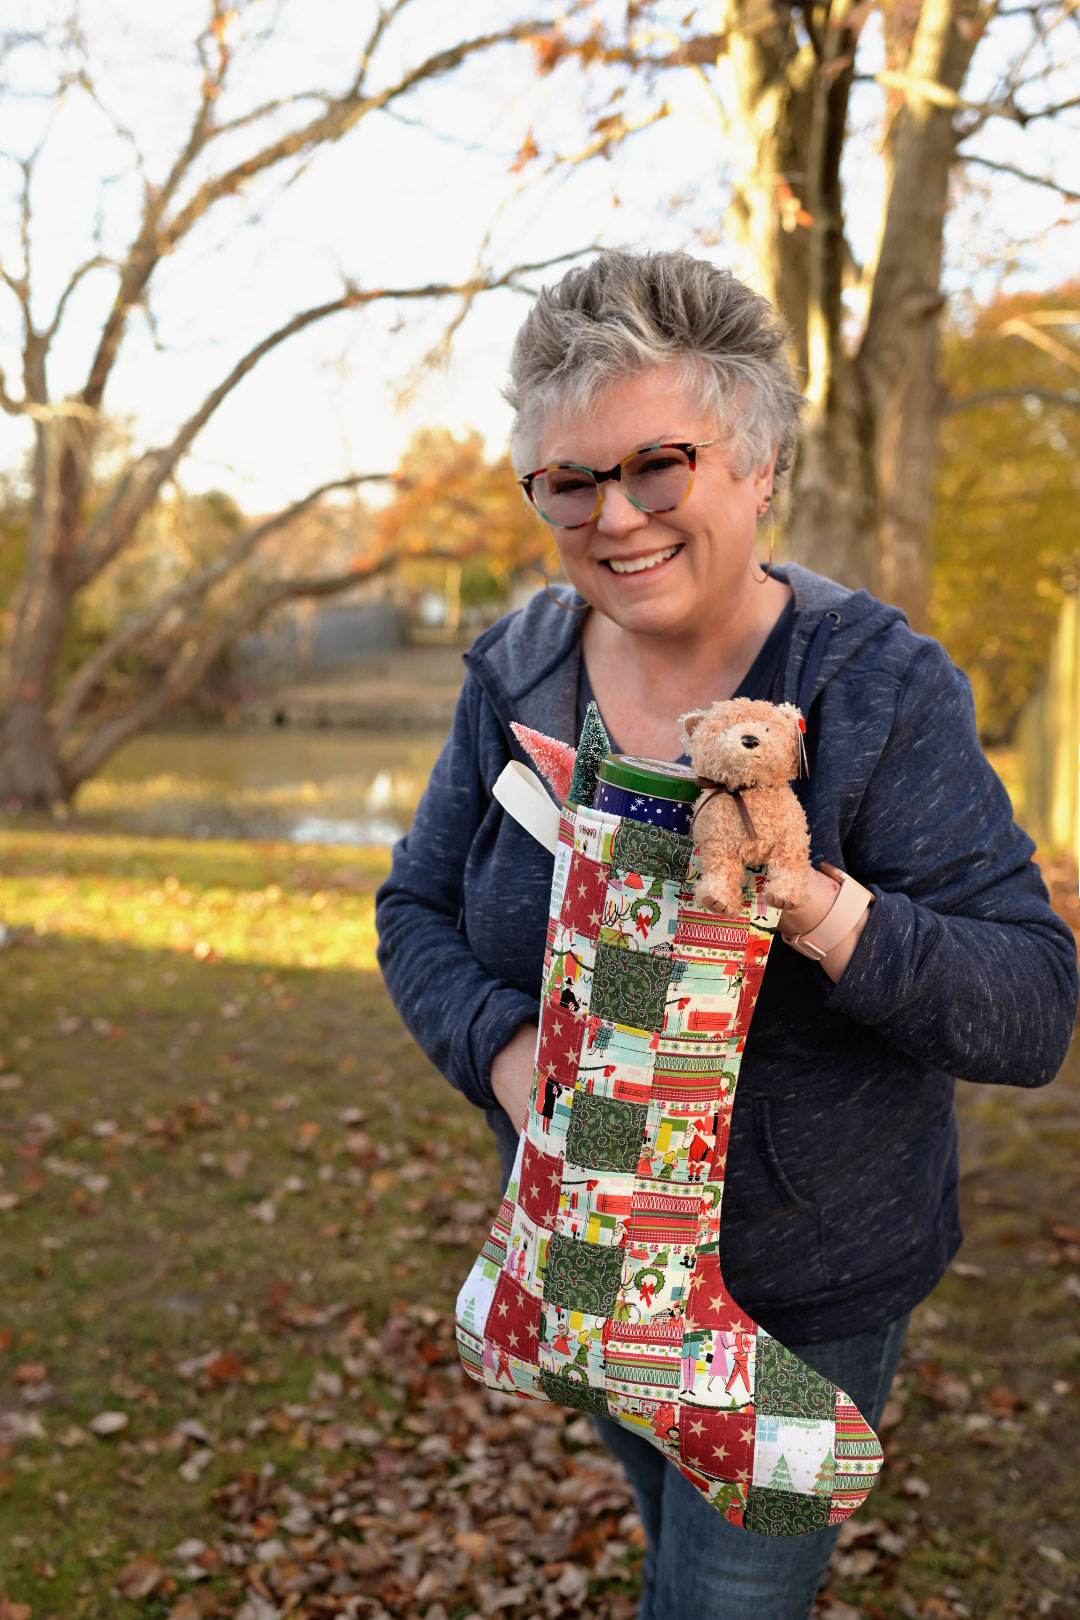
600,1285
785,883
720,885
788,866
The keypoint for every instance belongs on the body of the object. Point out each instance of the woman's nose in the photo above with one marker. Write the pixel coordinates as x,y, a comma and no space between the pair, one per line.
618,514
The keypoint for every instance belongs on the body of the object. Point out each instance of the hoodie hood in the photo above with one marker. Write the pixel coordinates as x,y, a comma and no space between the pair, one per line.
528,663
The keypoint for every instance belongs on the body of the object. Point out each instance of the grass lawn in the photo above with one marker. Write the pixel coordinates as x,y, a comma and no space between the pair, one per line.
236,1204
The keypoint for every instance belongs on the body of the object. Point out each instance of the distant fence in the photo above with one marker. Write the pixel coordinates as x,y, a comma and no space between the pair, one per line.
1049,741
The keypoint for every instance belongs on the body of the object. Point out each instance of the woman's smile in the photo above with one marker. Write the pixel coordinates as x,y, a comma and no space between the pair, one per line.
641,561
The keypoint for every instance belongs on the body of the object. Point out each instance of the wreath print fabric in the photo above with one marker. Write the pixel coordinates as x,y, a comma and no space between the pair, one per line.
600,1285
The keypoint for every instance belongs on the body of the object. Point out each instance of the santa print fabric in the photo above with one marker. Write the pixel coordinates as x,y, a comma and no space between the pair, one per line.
600,1285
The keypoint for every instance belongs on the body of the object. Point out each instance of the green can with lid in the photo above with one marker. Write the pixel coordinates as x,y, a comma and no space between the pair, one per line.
651,790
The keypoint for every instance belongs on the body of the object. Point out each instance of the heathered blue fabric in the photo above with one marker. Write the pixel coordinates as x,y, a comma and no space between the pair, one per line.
840,1207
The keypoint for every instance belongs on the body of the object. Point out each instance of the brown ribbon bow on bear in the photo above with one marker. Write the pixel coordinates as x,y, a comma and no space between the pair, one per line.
736,794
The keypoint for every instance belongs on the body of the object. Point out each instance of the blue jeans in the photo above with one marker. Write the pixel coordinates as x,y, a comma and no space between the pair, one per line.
700,1567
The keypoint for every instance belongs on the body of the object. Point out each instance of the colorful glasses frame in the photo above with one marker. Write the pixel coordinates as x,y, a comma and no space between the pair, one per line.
614,474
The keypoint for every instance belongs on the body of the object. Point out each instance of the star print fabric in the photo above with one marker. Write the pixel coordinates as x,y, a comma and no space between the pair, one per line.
600,1285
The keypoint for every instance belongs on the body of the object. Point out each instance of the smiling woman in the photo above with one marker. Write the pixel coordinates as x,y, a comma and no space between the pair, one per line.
839,1181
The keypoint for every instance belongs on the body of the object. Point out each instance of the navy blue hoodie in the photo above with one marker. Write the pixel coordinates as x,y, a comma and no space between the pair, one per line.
840,1207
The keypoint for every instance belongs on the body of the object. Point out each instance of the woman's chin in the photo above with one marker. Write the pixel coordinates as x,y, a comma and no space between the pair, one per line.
656,613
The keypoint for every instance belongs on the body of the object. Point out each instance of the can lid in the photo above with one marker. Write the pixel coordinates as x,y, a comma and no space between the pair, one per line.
658,777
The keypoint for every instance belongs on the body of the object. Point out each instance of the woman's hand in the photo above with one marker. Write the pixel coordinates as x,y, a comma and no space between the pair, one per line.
822,889
512,1074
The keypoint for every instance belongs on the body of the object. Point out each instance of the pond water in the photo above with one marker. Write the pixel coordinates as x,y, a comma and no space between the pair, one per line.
327,787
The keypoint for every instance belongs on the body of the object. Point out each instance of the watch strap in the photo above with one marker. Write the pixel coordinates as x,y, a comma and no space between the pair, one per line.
851,901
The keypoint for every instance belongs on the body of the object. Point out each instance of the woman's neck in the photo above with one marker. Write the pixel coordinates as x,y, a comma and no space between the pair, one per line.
643,683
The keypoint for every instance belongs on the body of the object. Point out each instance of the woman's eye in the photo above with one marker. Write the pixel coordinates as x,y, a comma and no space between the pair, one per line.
659,463
569,483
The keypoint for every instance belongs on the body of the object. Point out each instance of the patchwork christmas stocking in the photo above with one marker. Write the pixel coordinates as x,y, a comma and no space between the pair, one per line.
600,1286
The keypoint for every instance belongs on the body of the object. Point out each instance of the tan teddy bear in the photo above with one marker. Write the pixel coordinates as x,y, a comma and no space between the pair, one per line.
744,754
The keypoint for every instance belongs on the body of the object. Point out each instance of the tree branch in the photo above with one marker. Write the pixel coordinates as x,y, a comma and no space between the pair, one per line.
199,652
252,116
341,116
100,261
1022,174
186,591
1028,327
8,403
158,237
139,488
386,16
17,285
989,396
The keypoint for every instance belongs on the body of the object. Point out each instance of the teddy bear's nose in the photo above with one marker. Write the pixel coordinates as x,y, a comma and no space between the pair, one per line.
750,741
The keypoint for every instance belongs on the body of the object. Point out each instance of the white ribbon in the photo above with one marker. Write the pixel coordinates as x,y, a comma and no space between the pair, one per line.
523,796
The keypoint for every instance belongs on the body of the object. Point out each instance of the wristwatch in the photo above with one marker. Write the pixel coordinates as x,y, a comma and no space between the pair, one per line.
845,911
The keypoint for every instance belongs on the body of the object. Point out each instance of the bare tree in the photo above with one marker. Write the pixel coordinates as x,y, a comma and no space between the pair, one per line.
83,517
780,78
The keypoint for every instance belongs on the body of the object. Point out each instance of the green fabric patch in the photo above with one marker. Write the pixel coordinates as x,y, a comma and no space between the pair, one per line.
582,1276
568,1392
630,987
784,1386
784,1513
606,1134
653,850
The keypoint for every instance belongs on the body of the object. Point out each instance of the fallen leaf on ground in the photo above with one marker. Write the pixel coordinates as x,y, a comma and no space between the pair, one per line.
966,1268
1001,1401
140,1578
225,1368
107,1423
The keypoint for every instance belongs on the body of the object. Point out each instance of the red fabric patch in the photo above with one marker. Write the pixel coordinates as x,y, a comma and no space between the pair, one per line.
719,1443
753,972
514,1319
538,1186
583,900
718,1162
561,1035
709,1304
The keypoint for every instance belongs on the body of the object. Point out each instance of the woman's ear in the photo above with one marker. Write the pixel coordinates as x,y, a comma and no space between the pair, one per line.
763,480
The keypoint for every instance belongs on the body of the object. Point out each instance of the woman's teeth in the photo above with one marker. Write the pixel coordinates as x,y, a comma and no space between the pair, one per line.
635,565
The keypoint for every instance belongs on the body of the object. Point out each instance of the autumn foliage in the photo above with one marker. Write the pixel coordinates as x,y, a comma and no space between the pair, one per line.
1006,546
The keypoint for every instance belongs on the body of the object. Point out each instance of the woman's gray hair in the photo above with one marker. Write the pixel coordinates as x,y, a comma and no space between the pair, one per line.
628,313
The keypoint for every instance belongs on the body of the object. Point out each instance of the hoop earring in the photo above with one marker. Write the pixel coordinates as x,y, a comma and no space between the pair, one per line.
567,607
772,542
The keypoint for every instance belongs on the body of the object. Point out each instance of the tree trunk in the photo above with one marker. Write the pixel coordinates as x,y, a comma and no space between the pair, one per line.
766,109
863,485
907,457
31,773
31,777
833,521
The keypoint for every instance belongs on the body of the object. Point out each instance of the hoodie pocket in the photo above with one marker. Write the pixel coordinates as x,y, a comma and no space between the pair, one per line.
781,1179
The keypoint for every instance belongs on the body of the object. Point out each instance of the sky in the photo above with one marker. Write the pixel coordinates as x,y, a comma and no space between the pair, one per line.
413,195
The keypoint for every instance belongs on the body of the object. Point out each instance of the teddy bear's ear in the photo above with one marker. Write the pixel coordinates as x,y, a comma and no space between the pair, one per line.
692,719
798,727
